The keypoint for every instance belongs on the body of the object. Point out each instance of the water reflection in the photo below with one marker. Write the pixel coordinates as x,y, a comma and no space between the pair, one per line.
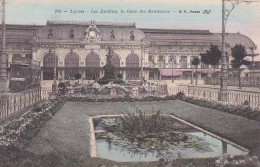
213,147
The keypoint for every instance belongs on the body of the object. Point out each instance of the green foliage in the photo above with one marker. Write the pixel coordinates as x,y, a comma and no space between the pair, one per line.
121,99
103,81
119,76
212,56
37,108
118,81
180,95
195,61
109,74
77,76
62,85
106,81
238,53
109,71
205,58
139,122
243,111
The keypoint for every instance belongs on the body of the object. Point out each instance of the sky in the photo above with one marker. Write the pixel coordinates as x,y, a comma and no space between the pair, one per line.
180,14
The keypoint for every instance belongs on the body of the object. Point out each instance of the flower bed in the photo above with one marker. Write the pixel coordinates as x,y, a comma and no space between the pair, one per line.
18,132
243,111
119,99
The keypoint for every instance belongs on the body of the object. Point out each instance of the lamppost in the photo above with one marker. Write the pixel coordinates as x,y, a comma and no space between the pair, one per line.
224,67
3,55
144,43
252,75
142,57
192,78
54,84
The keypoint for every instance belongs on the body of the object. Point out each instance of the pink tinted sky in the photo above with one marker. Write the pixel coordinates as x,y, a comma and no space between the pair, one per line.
244,19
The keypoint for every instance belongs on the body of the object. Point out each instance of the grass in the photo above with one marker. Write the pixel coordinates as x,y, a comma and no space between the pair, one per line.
15,158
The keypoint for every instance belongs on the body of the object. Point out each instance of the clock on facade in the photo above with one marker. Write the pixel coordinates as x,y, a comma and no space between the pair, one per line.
92,34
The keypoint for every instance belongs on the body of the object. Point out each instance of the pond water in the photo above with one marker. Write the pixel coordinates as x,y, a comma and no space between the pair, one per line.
213,147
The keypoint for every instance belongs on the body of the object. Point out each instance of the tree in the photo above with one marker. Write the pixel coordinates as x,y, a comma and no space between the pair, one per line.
196,62
212,56
110,71
238,52
77,76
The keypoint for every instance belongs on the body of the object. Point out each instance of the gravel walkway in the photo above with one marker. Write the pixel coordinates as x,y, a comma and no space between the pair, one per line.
67,133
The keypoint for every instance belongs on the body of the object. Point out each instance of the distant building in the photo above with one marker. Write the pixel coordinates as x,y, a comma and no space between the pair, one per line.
83,46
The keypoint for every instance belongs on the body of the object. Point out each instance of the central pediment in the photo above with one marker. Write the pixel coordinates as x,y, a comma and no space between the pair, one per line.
92,34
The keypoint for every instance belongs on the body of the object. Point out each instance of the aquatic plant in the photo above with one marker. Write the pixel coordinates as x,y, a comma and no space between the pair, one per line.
147,132
140,122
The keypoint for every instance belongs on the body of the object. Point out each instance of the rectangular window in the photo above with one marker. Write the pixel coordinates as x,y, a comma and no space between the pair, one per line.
161,58
150,58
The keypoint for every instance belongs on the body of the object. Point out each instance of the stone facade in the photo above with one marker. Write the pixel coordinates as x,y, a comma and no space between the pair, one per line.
82,47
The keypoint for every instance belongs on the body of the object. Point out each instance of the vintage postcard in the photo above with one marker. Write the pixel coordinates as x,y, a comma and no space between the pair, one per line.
129,83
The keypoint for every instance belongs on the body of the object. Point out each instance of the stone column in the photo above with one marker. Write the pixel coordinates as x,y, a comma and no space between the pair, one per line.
146,76
178,61
167,59
188,62
84,74
124,75
155,59
41,74
63,74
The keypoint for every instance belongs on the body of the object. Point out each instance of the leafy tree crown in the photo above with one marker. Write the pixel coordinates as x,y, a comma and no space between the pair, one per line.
212,56
238,53
195,61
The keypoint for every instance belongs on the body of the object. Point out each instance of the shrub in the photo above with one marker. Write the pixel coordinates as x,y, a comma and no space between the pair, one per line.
103,81
180,95
37,108
118,81
119,76
243,110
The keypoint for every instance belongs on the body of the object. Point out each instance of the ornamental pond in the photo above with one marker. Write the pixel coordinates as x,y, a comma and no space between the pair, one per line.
180,141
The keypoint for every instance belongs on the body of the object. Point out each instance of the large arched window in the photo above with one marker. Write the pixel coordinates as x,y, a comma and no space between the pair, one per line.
71,60
72,65
116,60
132,60
92,60
92,63
49,60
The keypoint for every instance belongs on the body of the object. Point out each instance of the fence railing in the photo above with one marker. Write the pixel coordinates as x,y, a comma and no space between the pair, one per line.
233,81
235,97
12,103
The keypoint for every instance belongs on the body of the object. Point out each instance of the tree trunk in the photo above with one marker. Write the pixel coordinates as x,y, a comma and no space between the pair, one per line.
192,82
196,75
214,76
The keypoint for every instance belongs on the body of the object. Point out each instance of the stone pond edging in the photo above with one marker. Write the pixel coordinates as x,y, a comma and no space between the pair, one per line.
93,149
